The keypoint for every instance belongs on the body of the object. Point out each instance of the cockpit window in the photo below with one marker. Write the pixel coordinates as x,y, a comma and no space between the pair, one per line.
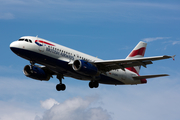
30,41
21,40
27,40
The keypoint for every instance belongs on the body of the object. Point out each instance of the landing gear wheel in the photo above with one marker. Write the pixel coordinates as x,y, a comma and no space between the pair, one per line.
96,84
60,87
93,84
63,87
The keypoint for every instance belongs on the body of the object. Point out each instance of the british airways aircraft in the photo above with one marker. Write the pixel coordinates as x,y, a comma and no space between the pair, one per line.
63,62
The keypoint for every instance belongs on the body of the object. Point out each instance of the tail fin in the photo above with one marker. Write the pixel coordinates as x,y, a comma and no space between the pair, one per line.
137,52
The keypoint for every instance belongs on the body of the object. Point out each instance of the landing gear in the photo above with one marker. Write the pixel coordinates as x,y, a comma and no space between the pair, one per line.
93,84
60,86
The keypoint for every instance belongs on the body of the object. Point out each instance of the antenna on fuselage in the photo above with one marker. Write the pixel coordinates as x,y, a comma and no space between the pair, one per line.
36,36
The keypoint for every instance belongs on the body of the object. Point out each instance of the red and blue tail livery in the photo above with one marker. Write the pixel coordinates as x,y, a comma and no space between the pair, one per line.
49,59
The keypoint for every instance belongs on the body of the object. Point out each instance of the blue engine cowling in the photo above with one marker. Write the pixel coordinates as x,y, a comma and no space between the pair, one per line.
36,73
85,67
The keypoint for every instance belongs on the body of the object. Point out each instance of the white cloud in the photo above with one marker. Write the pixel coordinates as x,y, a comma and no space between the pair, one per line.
159,98
49,103
75,109
154,39
22,99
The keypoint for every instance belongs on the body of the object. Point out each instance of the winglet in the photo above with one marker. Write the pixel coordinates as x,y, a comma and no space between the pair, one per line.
173,57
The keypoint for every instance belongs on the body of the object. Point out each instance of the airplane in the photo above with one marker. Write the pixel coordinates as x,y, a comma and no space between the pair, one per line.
55,59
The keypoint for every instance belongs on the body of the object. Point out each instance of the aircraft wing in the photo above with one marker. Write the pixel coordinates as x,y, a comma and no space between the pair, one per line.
108,65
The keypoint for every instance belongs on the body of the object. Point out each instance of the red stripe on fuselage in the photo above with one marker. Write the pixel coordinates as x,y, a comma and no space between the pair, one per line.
140,51
44,42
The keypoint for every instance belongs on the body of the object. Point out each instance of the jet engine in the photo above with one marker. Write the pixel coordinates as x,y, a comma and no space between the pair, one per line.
84,67
36,72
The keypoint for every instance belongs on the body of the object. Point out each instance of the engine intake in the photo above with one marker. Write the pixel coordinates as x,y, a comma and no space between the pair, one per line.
85,67
36,72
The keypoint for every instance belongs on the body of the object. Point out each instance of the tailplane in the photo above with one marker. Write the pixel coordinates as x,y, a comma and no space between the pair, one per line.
150,76
137,52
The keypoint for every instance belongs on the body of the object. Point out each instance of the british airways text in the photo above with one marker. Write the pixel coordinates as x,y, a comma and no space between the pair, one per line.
59,53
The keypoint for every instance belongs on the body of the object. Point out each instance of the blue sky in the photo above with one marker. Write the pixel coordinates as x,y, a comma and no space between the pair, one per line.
103,28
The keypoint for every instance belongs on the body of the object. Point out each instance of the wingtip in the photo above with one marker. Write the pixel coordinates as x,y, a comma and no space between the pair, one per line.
166,56
173,57
166,75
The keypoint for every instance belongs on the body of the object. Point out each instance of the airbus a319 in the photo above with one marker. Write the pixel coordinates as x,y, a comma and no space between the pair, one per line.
55,59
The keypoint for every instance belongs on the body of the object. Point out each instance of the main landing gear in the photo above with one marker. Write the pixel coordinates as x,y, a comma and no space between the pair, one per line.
93,84
60,86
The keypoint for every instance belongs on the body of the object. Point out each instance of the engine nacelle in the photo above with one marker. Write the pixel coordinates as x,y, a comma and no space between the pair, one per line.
85,67
36,73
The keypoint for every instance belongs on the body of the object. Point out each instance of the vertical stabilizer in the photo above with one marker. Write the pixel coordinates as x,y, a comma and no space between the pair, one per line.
137,52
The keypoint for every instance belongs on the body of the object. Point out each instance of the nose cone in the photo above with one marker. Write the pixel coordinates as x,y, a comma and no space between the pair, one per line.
14,46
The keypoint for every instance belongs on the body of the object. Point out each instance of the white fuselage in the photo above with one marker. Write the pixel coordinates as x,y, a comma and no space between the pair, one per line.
59,58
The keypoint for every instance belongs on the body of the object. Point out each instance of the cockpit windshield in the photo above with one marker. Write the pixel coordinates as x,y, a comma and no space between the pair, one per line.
21,40
27,40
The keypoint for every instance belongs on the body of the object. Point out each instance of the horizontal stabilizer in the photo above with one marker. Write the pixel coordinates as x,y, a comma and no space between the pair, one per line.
150,76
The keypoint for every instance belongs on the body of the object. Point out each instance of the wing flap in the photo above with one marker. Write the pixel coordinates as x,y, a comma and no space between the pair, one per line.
150,76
